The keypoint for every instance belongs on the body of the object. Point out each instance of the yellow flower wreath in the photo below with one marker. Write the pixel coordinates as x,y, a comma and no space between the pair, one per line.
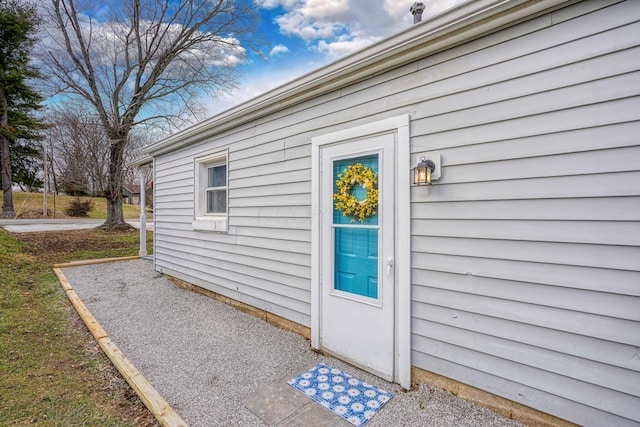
346,202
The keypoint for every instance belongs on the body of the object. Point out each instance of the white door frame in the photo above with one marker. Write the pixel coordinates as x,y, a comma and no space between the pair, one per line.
400,126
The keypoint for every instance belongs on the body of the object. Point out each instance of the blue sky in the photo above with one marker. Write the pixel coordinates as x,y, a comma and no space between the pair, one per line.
299,36
303,35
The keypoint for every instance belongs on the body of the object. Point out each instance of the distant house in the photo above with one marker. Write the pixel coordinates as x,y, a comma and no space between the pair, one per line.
131,193
513,280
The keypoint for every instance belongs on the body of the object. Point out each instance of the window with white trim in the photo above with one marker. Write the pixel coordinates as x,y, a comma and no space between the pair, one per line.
210,192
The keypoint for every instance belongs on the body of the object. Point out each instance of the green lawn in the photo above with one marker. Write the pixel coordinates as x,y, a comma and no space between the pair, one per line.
52,372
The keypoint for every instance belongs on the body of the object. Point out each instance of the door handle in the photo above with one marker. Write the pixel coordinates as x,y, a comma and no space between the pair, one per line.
389,265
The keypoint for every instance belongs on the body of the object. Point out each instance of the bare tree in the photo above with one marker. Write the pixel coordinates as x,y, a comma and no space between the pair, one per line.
79,150
143,61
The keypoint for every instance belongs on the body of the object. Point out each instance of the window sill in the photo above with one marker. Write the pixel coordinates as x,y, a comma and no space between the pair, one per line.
217,225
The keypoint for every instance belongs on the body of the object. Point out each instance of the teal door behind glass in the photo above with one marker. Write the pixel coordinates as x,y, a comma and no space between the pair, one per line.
355,243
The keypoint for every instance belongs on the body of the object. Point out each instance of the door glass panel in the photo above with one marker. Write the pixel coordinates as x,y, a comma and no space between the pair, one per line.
355,242
356,261
339,167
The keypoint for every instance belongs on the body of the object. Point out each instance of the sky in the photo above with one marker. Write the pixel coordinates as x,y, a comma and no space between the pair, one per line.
303,35
298,36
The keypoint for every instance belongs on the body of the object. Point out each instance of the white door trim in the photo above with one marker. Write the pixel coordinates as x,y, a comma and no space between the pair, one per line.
399,125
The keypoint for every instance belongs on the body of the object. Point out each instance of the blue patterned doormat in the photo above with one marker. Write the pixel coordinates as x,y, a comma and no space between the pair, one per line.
352,399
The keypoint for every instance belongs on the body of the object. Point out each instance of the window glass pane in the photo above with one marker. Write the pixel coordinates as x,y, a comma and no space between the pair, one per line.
217,176
217,201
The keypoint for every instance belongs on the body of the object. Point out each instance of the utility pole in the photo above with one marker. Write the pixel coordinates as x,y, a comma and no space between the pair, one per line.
46,179
52,171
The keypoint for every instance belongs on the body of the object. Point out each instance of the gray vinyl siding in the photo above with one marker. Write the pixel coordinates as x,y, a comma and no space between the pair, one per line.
525,255
264,258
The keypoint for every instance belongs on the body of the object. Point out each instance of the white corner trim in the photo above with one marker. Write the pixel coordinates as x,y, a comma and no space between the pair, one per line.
403,256
400,125
315,245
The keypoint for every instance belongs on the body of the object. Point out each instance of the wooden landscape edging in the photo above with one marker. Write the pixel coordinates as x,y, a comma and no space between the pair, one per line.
156,404
93,261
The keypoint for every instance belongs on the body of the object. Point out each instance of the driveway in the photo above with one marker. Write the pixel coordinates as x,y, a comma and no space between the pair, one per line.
38,225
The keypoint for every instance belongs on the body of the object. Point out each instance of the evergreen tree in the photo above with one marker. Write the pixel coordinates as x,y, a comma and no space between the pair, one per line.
18,100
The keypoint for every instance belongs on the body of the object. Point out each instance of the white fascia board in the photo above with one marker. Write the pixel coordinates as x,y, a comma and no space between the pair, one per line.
145,160
456,25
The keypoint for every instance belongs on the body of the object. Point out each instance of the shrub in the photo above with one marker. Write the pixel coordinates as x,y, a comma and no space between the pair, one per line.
79,207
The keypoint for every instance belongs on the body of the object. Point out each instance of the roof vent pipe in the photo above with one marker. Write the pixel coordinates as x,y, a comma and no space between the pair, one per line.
416,10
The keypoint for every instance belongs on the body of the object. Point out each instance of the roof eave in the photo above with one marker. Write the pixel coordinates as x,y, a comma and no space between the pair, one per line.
141,161
467,21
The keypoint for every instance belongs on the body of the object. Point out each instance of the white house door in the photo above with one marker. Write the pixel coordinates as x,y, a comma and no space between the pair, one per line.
357,255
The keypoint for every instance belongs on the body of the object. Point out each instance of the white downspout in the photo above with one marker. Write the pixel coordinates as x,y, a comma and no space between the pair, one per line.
143,214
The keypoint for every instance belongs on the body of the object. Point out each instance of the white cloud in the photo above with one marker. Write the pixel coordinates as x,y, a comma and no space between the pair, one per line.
333,28
343,45
324,10
339,27
272,4
296,24
278,49
109,44
398,11
257,84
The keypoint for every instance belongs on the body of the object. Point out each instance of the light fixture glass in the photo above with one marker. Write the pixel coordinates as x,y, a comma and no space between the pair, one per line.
422,172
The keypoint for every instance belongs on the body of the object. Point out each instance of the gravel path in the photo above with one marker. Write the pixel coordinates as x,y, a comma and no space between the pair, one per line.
205,357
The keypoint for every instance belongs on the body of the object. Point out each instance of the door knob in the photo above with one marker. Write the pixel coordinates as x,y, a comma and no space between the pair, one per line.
389,265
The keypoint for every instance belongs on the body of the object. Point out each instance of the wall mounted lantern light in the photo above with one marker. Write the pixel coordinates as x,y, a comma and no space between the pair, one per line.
422,172
427,168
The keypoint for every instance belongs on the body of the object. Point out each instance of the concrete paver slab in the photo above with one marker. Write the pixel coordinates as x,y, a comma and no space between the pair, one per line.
276,402
315,415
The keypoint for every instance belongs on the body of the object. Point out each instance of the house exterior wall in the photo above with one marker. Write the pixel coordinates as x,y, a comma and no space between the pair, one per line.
525,255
